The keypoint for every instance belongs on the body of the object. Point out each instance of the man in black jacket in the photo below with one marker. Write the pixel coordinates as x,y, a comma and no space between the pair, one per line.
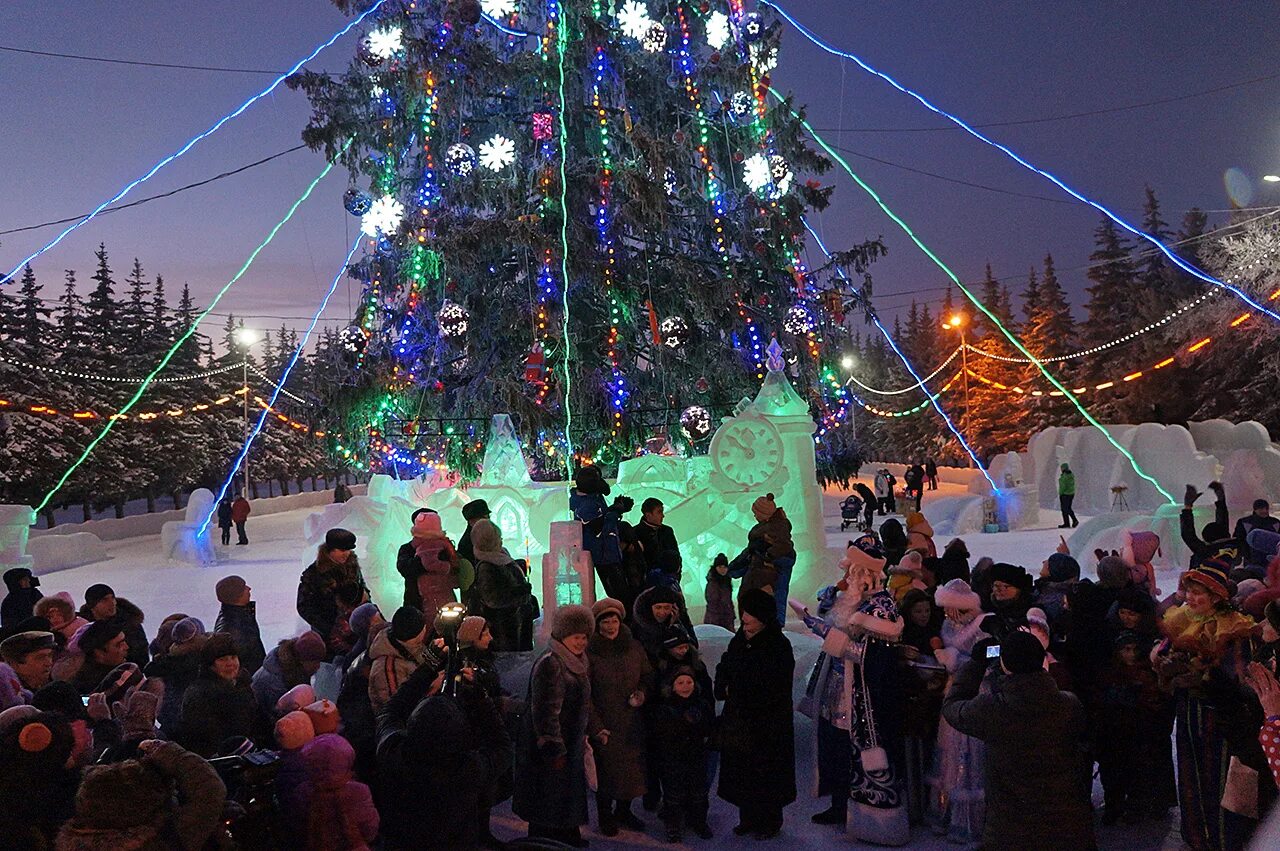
661,552
1217,542
1260,518
1037,772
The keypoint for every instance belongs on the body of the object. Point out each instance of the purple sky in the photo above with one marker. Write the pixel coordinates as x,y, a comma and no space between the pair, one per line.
75,132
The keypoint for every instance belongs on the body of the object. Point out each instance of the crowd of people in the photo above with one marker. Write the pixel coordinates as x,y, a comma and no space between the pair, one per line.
974,700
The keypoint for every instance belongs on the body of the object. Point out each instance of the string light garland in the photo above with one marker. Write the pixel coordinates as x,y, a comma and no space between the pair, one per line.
618,391
919,384
93,444
1133,462
560,27
194,140
88,376
1056,181
887,414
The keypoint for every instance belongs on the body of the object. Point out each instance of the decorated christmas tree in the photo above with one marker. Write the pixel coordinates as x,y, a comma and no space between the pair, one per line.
585,214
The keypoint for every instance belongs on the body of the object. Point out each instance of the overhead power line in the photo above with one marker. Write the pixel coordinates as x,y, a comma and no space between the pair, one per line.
55,55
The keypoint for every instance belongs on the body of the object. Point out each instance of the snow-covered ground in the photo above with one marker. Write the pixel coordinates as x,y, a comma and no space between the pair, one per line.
277,554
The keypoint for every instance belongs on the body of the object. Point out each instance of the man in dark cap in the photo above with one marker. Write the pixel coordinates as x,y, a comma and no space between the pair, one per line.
1255,562
104,646
101,603
476,509
20,603
30,654
335,568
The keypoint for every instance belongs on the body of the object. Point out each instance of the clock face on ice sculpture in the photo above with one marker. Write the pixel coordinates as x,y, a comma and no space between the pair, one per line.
747,451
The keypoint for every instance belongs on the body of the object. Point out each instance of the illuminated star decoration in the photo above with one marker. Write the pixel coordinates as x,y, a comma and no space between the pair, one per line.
718,29
453,320
384,217
499,8
460,158
385,43
674,331
695,422
634,19
798,320
497,153
655,39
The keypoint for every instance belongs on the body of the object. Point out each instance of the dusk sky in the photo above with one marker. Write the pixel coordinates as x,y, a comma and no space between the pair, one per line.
75,132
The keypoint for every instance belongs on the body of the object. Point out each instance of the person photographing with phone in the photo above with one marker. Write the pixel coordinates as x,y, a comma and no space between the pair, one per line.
1037,773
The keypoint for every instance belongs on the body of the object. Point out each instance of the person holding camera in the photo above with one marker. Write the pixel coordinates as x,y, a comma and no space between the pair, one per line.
1037,771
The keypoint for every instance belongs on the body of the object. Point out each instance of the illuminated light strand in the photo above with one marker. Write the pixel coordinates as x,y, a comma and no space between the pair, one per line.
88,376
887,414
279,385
560,28
145,416
192,143
921,383
604,241
893,345
1173,258
93,444
294,396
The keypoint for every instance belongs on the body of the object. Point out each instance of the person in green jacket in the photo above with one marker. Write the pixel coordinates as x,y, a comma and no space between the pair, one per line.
1067,495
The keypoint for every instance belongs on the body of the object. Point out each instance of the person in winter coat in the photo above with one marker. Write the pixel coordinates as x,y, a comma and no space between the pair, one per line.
931,473
953,563
913,482
770,553
884,483
869,503
396,653
621,680
1010,598
38,782
600,528
501,589
224,519
683,724
292,662
102,647
29,656
1138,549
719,594
359,723
1259,518
238,617
655,610
757,734
335,566
178,669
1066,496
20,603
1127,729
330,809
893,541
920,535
1059,573
101,603
443,762
1037,777
661,550
240,515
1267,543
169,798
472,512
429,565
551,783
220,704
60,611
1216,543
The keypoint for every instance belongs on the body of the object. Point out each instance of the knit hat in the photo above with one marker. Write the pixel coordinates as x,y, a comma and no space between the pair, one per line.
44,736
878,615
14,575
957,594
1063,568
608,606
407,623
361,617
662,594
16,715
293,730
1143,545
310,647
296,698
185,630
229,589
590,480
1113,572
94,594
474,510
759,604
1010,574
912,562
1261,503
571,620
60,697
674,636
1135,600
97,634
764,507
1021,653
339,539
1272,613
1211,578
15,648
1037,617
470,630
219,644
324,716
427,520
486,536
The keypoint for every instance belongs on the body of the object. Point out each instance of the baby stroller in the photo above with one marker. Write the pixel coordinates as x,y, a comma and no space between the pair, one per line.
850,511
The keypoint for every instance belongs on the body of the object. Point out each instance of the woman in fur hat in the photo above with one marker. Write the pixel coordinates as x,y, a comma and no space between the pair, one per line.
1206,642
956,798
501,589
551,781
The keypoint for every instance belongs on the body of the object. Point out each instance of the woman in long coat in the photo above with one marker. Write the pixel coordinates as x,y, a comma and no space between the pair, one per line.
757,747
621,678
501,589
550,779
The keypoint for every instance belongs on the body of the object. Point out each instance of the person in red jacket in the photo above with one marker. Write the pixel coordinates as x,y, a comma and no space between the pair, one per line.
239,514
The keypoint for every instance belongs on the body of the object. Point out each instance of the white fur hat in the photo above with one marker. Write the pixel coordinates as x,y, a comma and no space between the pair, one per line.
957,594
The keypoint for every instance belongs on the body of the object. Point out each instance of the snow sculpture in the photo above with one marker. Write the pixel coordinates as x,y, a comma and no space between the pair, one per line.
568,577
504,462
15,523
180,540
59,552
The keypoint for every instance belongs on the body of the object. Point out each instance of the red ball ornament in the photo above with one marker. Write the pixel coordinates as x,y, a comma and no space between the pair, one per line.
715,58
702,385
679,137
704,8
738,156
438,386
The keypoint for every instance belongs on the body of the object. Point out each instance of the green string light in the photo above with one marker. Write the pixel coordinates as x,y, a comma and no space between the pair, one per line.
562,41
978,304
147,382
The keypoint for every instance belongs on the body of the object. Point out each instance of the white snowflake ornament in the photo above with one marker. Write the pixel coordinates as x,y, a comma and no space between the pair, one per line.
500,9
383,218
634,19
497,153
718,34
655,39
386,43
756,173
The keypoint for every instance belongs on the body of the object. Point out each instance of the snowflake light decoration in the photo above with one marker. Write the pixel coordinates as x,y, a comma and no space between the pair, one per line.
460,158
695,422
764,57
756,173
386,43
497,153
453,319
674,331
499,9
353,339
669,181
718,29
742,105
798,320
384,217
655,39
634,19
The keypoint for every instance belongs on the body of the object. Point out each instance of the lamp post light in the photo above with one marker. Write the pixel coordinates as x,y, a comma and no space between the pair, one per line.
847,363
957,323
1271,178
245,338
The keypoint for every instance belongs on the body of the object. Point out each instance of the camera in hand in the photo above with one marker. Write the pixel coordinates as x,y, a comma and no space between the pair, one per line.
993,651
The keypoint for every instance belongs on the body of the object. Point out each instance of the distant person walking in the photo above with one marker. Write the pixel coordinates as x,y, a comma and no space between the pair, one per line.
224,519
1067,495
239,514
931,473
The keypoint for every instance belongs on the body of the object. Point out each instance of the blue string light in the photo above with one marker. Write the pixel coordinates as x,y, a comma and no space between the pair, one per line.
933,399
1173,258
280,382
189,145
493,22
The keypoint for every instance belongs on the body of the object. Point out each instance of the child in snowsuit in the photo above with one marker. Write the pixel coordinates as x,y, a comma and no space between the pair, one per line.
330,809
683,726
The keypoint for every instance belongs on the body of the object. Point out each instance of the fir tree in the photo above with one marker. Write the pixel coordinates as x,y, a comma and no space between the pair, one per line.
1111,299
32,314
1031,298
102,312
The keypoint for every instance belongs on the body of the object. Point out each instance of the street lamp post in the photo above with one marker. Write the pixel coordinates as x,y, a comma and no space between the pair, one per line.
957,323
848,363
245,337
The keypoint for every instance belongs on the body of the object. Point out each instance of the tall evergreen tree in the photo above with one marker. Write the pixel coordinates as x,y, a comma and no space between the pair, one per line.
1031,298
1111,302
102,311
32,314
